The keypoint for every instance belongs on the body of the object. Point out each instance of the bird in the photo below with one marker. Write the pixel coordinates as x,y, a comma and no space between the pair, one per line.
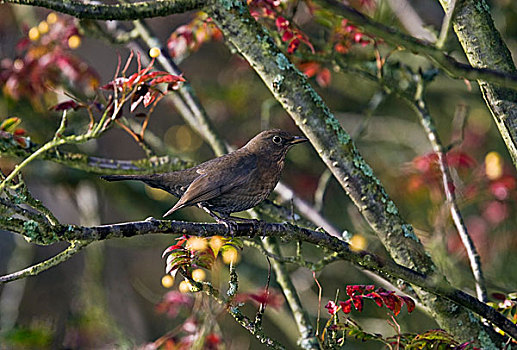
231,183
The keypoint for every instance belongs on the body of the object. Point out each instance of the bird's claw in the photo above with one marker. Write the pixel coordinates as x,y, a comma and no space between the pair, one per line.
261,228
231,226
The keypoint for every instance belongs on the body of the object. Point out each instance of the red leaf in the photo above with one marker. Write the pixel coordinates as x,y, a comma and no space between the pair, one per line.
22,141
331,307
293,45
358,302
460,160
341,48
169,78
410,304
288,35
173,247
376,298
212,341
281,23
499,296
353,289
323,78
305,40
310,69
392,302
272,298
149,98
346,306
63,106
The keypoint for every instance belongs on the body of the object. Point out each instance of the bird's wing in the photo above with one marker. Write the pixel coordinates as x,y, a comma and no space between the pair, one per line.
215,181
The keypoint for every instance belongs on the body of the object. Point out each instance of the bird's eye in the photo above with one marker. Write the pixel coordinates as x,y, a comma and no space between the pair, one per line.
277,140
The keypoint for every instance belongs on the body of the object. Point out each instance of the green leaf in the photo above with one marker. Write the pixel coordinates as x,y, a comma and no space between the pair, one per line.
10,124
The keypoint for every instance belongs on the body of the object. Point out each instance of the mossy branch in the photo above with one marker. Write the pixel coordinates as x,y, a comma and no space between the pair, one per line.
484,47
125,11
396,38
339,153
431,282
74,248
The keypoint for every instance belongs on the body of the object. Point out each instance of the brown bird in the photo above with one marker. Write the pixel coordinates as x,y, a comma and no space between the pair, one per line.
231,183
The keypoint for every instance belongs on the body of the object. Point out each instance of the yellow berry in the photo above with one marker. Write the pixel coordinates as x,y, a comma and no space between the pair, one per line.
167,281
52,18
43,27
34,34
74,41
216,242
196,243
198,275
230,255
154,52
493,165
358,242
184,287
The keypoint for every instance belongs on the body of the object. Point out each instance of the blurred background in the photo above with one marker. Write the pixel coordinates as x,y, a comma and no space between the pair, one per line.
107,295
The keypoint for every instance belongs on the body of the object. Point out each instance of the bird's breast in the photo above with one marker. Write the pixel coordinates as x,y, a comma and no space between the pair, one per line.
258,187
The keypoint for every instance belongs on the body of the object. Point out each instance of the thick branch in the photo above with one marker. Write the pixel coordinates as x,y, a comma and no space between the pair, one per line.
484,48
126,11
431,283
339,153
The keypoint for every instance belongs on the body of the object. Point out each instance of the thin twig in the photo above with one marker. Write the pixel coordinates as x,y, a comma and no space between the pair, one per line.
448,186
234,311
446,25
392,36
74,248
418,104
308,339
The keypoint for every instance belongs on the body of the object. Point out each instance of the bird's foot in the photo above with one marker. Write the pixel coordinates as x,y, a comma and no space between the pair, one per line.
262,228
231,225
150,219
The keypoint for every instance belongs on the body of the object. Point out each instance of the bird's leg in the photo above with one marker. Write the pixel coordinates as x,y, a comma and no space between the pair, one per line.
231,225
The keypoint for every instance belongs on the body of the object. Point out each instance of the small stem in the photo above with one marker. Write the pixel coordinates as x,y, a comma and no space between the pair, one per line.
446,25
49,145
74,248
308,340
448,187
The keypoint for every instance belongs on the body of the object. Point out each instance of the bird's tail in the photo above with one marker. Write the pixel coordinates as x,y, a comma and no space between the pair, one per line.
124,177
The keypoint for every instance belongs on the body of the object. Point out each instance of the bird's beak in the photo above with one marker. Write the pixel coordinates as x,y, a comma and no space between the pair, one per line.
298,139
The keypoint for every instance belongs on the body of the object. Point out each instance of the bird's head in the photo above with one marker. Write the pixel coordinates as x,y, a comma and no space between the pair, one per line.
273,143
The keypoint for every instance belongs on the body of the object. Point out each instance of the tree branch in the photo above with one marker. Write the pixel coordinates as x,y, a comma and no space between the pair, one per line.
432,283
308,339
127,11
427,122
484,47
74,248
105,166
340,154
396,38
234,311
